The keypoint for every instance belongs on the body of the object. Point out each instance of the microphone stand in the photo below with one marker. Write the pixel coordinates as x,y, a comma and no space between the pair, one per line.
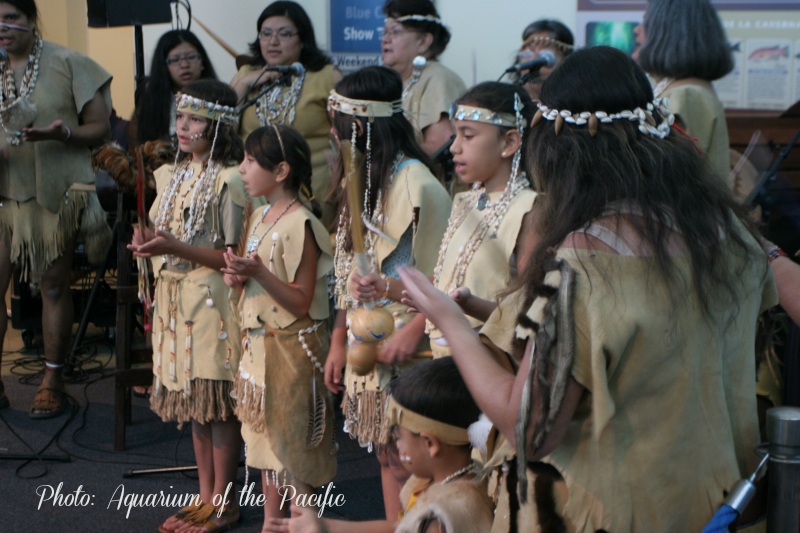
261,93
760,193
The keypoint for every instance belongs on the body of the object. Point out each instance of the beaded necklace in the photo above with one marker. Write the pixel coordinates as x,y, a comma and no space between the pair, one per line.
661,86
8,94
490,222
203,195
343,260
278,106
254,241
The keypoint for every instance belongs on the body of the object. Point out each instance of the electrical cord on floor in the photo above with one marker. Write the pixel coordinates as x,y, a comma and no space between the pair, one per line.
100,450
73,409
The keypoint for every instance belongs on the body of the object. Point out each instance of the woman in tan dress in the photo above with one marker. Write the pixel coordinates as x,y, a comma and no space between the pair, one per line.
54,104
413,37
286,36
683,48
642,298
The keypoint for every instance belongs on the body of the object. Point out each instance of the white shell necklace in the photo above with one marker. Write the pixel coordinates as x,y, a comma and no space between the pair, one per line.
254,241
8,94
490,222
278,106
661,86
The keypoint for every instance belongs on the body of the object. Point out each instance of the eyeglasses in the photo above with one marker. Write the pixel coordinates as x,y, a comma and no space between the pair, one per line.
190,59
283,35
396,31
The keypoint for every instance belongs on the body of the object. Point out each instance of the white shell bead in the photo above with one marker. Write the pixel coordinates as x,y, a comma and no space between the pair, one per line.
209,302
223,335
276,236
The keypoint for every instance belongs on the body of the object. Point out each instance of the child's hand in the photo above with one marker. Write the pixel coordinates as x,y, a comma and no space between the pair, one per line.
233,281
162,243
140,238
242,266
304,520
400,349
420,293
333,368
461,296
368,288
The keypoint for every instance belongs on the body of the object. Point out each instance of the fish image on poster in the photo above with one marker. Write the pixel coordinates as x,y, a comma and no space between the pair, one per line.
768,80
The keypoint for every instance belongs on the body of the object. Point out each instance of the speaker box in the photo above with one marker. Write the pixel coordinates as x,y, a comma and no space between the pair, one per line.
110,13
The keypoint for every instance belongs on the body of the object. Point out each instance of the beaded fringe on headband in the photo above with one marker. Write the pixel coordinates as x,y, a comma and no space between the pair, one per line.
209,110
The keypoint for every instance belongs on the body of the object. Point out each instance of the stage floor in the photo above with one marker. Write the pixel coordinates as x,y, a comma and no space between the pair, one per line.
86,435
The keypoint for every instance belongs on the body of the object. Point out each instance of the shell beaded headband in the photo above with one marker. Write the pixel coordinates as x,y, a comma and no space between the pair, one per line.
417,18
645,117
547,41
209,110
479,114
363,108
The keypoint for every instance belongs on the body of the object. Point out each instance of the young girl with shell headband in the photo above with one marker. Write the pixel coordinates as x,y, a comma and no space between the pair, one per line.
485,237
196,341
287,416
642,298
405,211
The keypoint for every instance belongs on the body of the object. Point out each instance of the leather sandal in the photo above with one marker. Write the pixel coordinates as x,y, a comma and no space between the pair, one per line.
51,407
182,513
213,527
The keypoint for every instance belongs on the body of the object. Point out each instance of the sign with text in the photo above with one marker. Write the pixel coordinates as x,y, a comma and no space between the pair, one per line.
763,36
355,32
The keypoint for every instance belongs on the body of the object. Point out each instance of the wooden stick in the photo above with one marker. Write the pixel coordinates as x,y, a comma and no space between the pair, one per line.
228,48
352,162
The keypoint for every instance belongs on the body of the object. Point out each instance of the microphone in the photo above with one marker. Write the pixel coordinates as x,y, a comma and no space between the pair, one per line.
295,69
546,58
3,55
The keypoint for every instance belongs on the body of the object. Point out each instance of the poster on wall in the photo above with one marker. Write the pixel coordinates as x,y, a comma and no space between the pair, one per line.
763,36
354,33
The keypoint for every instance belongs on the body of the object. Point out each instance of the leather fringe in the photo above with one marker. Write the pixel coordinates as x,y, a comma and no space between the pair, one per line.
210,402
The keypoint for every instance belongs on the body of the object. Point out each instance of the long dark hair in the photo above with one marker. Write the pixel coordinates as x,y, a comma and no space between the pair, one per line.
685,39
312,58
228,148
580,177
401,8
499,98
263,144
156,101
390,135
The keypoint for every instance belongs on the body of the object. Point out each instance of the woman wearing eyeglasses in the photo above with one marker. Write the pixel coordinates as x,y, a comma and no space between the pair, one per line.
413,37
286,36
179,59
